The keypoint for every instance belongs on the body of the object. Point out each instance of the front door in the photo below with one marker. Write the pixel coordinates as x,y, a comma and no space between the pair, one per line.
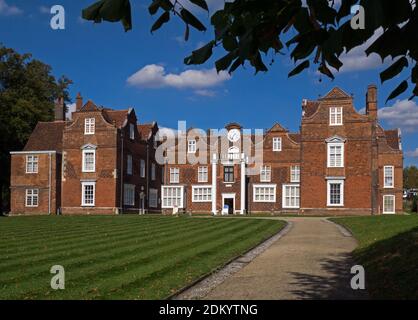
230,203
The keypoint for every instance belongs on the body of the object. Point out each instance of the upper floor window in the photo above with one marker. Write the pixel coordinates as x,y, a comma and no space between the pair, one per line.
335,155
277,144
335,116
129,165
142,168
174,175
191,146
295,174
89,160
89,125
153,171
265,174
202,174
32,197
228,174
388,176
31,164
131,131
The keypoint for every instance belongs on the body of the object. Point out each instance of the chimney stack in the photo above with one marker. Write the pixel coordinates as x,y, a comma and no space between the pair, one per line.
59,109
79,102
371,101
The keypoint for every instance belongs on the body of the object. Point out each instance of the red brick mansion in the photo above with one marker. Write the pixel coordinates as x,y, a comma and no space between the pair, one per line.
101,161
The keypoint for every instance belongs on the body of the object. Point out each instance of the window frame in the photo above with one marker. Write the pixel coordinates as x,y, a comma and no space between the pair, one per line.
174,172
341,183
131,131
277,144
329,146
142,169
284,196
394,204
153,172
202,174
84,151
129,164
128,201
89,126
32,196
83,193
334,112
33,162
229,174
264,186
295,172
151,202
191,146
181,205
265,173
208,195
392,185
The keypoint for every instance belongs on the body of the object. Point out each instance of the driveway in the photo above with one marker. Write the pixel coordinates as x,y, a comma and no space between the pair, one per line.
312,261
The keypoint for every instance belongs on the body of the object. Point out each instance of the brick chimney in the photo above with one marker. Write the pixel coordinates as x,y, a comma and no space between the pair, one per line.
59,109
78,102
371,101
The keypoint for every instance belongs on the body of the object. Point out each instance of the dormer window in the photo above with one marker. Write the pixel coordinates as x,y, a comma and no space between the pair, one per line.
89,125
131,131
335,116
277,144
191,146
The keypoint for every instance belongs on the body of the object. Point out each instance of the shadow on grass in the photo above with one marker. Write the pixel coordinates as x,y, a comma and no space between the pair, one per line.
392,266
334,284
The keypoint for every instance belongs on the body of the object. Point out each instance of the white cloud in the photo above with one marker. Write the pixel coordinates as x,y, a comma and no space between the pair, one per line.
70,110
155,76
8,10
403,114
412,154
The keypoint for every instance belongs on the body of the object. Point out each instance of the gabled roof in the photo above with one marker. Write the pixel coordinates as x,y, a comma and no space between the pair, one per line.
310,108
336,93
46,136
90,106
145,130
116,116
295,137
277,128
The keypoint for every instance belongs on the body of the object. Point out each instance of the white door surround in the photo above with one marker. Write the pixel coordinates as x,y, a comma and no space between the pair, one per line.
228,196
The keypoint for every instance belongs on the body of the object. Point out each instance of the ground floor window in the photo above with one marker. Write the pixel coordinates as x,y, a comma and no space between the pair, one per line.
32,197
335,193
172,196
129,195
291,196
202,194
388,204
88,193
264,193
153,198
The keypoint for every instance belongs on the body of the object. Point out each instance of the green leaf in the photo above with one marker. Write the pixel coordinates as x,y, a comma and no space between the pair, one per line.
399,90
189,18
165,17
394,69
200,3
200,55
305,64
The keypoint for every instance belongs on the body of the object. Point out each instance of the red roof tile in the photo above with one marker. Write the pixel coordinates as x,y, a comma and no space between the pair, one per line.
392,138
46,136
117,116
145,130
310,108
295,137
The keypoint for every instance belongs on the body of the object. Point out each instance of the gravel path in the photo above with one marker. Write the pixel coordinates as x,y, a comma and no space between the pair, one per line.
311,261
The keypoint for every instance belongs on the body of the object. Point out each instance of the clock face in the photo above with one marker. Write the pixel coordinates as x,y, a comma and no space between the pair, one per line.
234,135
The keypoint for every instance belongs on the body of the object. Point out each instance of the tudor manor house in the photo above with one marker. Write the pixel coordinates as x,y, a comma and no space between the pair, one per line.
101,161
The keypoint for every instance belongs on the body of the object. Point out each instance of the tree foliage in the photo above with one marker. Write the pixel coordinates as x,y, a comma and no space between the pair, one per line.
318,32
27,94
410,177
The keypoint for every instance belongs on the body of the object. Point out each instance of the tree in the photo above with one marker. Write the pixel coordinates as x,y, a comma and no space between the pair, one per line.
319,32
410,177
27,94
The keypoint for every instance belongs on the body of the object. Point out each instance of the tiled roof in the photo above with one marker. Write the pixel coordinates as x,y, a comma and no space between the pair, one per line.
145,129
295,137
310,108
392,138
117,116
46,136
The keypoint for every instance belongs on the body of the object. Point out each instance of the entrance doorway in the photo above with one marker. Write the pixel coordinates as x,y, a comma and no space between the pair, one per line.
228,203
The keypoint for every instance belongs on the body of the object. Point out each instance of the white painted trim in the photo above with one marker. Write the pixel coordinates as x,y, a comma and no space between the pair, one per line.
284,186
206,186
335,144
84,162
330,117
155,192
198,174
26,197
329,182
214,194
33,152
85,126
26,164
177,180
281,144
83,200
228,196
181,198
384,177
394,204
264,186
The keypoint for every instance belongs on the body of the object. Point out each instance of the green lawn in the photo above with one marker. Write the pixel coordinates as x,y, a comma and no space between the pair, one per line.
388,250
118,257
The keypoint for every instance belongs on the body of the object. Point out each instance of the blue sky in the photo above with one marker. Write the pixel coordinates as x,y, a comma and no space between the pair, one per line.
105,64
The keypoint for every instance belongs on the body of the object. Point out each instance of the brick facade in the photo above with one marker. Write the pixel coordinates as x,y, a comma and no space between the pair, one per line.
340,163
